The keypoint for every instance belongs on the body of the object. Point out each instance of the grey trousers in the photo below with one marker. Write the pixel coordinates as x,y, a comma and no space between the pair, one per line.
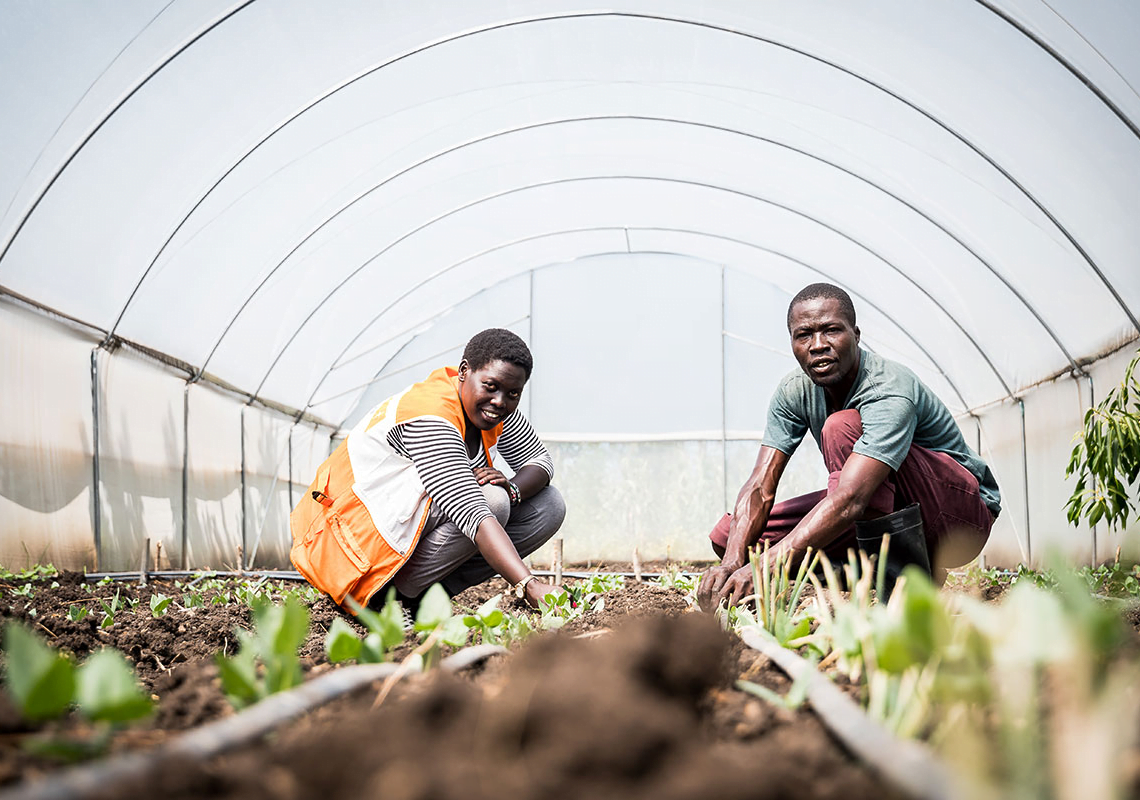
446,555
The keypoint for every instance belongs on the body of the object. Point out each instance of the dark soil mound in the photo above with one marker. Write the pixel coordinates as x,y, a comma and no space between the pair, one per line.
639,714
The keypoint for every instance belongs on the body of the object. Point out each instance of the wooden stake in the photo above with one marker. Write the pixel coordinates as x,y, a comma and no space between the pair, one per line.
636,566
143,562
158,556
240,556
558,561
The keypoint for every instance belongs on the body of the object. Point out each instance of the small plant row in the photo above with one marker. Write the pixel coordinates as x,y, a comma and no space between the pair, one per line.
994,688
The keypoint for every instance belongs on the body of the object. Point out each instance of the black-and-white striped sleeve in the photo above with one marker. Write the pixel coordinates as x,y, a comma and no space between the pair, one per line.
440,456
519,445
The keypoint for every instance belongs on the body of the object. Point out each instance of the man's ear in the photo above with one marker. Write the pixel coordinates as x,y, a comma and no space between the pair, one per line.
857,334
464,367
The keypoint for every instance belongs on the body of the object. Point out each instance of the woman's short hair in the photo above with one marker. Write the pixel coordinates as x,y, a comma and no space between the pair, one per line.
497,344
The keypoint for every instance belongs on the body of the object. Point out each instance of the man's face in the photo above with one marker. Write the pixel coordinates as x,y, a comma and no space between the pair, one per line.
491,393
824,341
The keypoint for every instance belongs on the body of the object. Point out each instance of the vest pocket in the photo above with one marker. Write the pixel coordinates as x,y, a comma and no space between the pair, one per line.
331,557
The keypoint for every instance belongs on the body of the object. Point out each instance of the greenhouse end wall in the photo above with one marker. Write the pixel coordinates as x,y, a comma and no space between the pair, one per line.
246,464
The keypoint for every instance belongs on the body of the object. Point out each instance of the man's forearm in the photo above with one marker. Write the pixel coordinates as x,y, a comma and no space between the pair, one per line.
748,520
822,525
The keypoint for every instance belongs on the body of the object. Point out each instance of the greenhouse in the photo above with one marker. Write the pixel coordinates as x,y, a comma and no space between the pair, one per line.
230,229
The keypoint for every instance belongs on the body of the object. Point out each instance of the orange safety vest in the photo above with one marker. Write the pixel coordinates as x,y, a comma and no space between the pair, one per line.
363,514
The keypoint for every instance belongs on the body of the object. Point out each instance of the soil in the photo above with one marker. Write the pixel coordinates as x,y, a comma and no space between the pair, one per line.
634,698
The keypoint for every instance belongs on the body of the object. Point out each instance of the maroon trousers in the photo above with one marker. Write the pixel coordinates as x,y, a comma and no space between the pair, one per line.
955,521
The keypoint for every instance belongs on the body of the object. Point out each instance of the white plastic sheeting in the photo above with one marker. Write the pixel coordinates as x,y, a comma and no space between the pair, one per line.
311,204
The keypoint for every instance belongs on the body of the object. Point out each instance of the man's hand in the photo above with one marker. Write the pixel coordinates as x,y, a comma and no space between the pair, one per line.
490,475
721,582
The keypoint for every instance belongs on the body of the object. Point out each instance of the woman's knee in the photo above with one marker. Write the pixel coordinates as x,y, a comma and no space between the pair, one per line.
553,507
499,501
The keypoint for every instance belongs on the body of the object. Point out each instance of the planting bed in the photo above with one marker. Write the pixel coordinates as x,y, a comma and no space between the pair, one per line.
633,699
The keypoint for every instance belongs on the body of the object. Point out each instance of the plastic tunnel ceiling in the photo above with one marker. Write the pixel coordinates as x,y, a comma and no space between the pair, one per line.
227,229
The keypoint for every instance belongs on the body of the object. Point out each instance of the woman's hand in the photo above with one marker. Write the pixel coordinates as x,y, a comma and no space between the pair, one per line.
536,590
485,475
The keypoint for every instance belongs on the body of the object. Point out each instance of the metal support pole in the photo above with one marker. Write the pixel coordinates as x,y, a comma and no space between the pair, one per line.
1092,402
1025,478
530,330
244,522
723,395
185,558
96,504
291,429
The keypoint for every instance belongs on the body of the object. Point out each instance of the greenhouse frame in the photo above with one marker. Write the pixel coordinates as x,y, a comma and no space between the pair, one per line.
228,229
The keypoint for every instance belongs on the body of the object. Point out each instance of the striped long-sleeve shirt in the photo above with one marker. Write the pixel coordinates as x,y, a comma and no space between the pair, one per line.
441,460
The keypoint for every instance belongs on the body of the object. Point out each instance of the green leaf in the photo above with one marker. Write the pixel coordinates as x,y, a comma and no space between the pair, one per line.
372,649
158,604
41,680
341,643
435,608
454,632
239,672
107,689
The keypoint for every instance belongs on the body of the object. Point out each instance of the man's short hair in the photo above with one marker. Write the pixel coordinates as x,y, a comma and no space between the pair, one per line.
827,290
497,344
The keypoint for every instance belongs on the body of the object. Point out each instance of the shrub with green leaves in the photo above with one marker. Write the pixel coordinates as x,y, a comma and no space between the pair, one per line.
266,661
1106,456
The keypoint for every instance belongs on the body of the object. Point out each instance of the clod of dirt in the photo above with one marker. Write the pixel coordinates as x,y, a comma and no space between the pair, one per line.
611,717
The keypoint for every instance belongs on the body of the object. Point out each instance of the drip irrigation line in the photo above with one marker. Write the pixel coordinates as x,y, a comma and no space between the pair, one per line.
225,734
906,764
290,575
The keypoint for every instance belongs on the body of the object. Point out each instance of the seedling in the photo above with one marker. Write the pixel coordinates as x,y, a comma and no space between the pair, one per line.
158,604
438,625
109,611
76,612
40,680
777,596
24,591
192,600
556,610
279,632
385,631
488,621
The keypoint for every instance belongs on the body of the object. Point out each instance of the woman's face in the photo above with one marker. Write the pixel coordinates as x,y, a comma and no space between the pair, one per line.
491,393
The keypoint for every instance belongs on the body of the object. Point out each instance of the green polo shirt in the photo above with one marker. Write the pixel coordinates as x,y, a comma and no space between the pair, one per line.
897,410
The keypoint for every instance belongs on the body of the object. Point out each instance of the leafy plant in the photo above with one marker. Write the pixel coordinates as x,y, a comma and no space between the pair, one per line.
192,600
109,610
106,689
266,661
385,631
1106,456
439,626
556,609
24,591
158,604
40,680
44,682
77,612
777,595
488,621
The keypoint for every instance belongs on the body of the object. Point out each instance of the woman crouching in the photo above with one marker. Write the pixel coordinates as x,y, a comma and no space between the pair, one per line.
411,496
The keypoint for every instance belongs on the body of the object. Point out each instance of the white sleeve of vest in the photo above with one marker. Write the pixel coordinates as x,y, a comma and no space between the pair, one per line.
437,450
520,445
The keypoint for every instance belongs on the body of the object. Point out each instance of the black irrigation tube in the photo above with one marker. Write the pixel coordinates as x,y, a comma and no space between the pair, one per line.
216,737
289,575
905,763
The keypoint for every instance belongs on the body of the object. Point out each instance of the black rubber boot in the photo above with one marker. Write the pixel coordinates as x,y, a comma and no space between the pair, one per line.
907,542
